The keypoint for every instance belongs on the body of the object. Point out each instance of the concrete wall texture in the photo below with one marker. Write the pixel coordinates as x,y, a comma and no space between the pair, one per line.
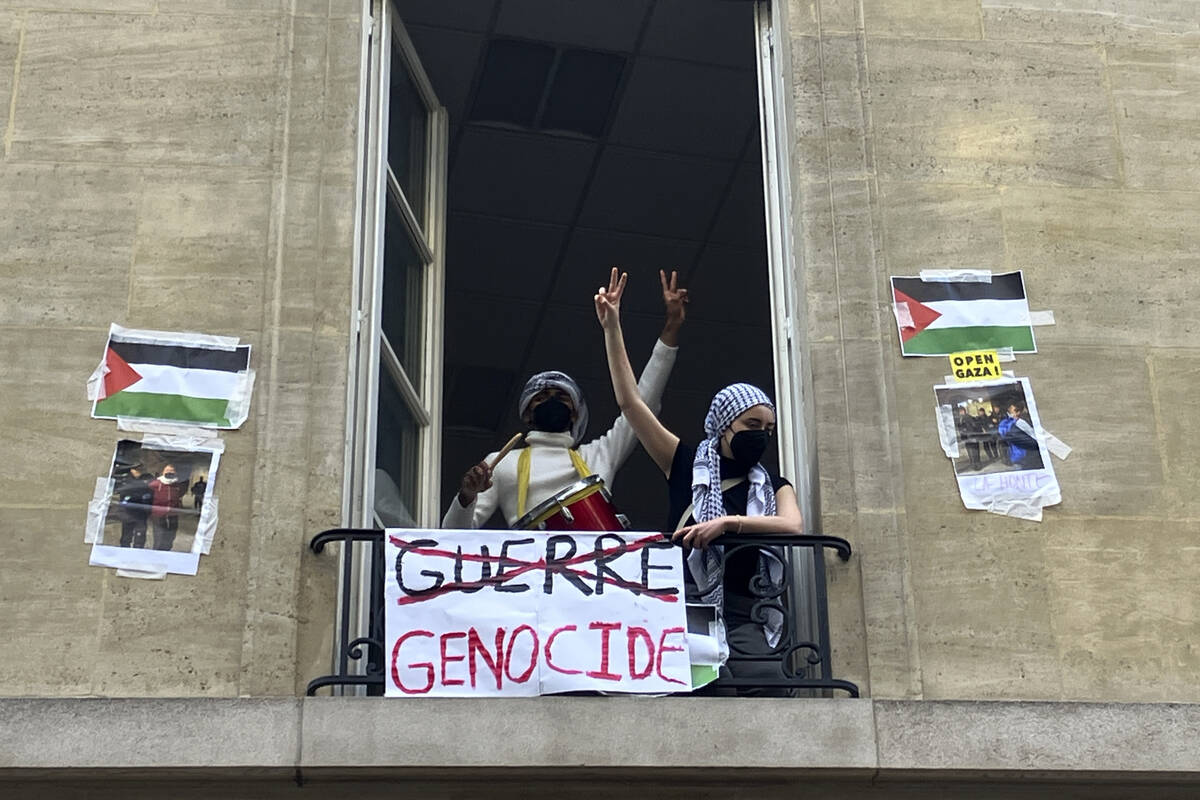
179,165
1056,138
190,165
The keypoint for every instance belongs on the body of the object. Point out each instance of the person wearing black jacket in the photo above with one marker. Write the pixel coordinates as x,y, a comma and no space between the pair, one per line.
134,498
970,431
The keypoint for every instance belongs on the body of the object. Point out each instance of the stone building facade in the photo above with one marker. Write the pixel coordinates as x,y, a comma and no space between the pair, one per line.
199,166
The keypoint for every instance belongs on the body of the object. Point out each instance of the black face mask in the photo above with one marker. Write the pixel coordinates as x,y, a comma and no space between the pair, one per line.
748,446
552,416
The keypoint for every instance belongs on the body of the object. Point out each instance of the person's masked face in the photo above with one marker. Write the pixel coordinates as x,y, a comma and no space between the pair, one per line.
750,435
168,476
551,411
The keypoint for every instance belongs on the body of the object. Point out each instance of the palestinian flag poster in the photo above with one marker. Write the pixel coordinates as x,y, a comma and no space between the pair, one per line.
182,378
936,318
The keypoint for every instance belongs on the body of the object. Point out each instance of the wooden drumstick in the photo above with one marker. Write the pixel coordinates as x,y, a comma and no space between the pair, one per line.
513,442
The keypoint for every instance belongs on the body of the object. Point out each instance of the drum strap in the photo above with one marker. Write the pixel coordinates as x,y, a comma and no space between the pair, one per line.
726,485
524,465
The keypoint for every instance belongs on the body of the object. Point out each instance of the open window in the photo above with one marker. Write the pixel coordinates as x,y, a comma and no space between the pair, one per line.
587,134
575,135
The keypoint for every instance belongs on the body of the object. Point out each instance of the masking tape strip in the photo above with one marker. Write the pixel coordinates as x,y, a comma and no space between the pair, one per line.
188,338
174,437
956,275
1005,354
1017,509
95,381
947,433
205,444
1039,318
704,650
1056,445
238,408
1008,373
207,526
98,511
157,575
903,315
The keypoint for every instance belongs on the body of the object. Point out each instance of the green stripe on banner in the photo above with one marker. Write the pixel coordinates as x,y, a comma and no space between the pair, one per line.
164,406
943,341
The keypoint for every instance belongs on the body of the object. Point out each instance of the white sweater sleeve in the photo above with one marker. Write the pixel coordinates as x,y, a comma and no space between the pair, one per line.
606,454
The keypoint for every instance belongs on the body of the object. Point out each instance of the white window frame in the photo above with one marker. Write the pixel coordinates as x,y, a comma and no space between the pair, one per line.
422,391
794,448
793,374
793,380
382,30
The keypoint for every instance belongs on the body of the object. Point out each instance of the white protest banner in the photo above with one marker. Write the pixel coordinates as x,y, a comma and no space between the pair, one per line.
519,613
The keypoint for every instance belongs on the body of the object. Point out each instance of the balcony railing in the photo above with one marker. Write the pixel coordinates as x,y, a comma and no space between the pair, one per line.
798,665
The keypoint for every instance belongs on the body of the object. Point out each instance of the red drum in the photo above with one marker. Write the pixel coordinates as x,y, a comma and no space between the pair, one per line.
583,506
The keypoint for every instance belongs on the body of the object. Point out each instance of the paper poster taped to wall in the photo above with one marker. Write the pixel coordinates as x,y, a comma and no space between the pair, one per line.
992,433
189,378
937,317
157,512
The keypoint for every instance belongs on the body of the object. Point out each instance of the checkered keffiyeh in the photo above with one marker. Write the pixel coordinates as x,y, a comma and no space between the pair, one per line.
557,380
706,566
729,404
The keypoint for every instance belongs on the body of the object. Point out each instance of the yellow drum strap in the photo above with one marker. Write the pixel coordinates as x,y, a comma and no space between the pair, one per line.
523,480
523,466
580,465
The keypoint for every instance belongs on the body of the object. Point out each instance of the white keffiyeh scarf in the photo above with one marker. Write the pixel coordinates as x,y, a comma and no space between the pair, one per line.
709,503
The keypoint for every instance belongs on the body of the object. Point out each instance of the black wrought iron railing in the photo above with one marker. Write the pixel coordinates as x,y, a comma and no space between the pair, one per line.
794,600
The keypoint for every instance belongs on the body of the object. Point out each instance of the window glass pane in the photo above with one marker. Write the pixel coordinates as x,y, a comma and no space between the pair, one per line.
395,457
407,120
402,274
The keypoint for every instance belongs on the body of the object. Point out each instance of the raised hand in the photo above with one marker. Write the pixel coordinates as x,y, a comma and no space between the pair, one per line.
676,300
608,299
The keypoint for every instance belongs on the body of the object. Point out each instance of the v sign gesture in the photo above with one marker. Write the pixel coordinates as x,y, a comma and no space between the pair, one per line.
675,299
608,300
659,442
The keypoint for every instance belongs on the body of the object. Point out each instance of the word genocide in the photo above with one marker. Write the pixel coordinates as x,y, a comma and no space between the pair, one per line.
537,612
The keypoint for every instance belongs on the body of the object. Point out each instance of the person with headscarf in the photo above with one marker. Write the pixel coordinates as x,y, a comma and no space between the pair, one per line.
553,408
167,492
716,487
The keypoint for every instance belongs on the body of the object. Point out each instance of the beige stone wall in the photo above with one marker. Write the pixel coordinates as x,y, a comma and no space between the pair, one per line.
174,164
1008,135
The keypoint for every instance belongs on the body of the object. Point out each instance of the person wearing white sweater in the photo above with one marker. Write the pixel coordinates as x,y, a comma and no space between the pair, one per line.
553,408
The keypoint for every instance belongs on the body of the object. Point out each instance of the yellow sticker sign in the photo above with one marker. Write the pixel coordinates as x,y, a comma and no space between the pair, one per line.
975,365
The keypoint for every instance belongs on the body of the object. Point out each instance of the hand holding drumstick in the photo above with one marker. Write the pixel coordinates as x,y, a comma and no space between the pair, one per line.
479,477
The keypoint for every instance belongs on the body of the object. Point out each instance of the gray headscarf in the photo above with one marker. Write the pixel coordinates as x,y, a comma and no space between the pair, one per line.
557,380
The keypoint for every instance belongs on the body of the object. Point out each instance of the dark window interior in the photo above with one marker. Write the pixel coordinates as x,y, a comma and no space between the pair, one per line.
586,134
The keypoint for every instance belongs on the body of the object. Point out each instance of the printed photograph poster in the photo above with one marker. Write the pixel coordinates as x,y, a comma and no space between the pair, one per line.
522,613
182,378
937,318
997,446
157,508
